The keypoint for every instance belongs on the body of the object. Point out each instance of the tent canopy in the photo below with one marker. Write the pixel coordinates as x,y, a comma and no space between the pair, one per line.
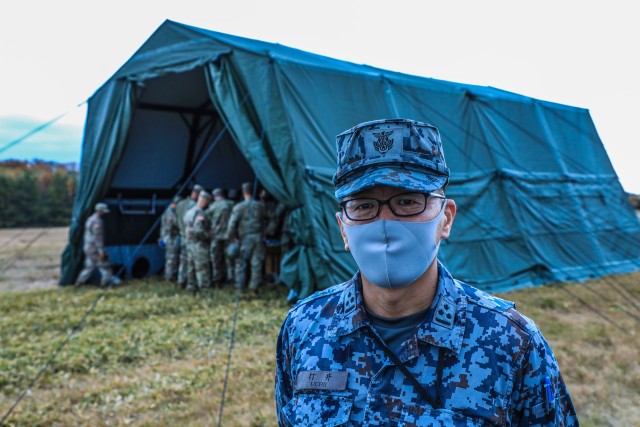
538,199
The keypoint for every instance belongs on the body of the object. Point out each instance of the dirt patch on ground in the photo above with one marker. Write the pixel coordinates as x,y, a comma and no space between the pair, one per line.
30,257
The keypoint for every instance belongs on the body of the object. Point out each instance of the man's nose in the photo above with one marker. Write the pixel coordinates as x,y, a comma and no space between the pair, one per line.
385,212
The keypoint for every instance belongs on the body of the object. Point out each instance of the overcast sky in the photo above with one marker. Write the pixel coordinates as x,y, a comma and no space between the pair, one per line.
54,55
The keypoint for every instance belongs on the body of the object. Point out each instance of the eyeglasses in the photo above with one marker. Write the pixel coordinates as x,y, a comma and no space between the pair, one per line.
402,205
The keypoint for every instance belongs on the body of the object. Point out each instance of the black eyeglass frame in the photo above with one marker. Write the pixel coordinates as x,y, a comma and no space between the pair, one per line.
387,202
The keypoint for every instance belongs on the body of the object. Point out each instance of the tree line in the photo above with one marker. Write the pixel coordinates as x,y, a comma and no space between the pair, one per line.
36,193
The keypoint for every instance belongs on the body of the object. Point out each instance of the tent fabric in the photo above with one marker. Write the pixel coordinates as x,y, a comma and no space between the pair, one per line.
538,199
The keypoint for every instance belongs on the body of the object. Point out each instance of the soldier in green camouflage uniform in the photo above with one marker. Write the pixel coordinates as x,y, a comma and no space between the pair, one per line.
181,209
230,263
170,239
274,214
247,225
94,253
198,233
218,214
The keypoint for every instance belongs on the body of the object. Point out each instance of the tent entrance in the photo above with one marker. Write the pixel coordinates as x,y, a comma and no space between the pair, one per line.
176,139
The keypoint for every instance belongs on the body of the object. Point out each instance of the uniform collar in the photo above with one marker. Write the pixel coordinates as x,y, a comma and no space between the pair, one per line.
446,318
443,325
350,314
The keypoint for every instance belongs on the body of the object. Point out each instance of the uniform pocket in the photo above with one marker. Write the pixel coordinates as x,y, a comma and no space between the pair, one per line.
545,412
311,409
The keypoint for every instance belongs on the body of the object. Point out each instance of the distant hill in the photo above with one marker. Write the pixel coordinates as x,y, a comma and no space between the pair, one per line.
36,193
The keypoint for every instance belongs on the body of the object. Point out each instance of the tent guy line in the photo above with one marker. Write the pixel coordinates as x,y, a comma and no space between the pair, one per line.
37,129
14,237
19,252
596,311
228,367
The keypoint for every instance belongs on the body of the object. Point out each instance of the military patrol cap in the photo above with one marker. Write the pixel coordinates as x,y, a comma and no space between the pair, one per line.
197,188
102,207
218,192
205,195
400,153
247,187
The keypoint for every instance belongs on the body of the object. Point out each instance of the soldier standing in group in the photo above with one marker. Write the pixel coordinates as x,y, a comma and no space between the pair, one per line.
198,232
246,225
275,213
181,209
230,262
218,214
170,239
94,253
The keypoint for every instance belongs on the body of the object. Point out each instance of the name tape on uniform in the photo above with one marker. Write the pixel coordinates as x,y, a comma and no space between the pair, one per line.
321,380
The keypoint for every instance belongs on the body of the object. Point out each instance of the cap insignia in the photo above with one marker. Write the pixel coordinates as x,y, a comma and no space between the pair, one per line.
383,143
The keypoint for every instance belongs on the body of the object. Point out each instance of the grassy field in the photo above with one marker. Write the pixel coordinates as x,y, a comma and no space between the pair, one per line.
30,257
152,355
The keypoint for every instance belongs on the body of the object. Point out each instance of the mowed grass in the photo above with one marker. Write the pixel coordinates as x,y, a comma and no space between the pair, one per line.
150,354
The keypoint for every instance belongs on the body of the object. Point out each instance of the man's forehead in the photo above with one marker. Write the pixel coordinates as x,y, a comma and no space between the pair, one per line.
380,191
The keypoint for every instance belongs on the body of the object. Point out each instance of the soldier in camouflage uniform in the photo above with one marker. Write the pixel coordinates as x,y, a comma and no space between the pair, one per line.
198,234
274,214
93,247
170,240
181,209
246,225
230,263
218,214
403,342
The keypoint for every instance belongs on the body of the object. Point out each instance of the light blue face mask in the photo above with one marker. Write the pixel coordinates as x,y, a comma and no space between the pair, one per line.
393,254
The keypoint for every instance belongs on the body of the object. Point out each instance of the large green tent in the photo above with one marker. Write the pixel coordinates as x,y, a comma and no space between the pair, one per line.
538,199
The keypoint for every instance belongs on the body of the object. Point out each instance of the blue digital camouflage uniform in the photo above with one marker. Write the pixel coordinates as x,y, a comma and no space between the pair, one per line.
483,360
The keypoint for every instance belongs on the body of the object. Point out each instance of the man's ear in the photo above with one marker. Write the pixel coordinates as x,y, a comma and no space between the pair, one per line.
344,235
447,220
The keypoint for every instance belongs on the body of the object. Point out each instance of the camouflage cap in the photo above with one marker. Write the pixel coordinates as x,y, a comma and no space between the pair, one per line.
205,195
400,153
197,188
102,207
217,192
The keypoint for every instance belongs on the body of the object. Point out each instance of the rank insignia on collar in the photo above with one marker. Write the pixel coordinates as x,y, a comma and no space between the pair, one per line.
445,313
